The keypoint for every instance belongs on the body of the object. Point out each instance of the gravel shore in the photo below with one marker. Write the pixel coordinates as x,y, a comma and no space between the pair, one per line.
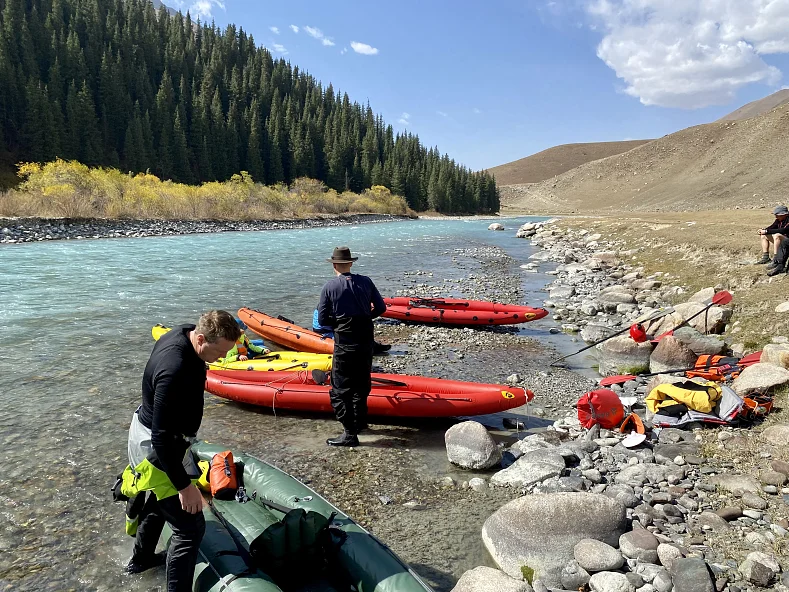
26,230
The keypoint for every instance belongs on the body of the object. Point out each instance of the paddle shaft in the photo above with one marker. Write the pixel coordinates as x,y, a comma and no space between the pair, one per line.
627,377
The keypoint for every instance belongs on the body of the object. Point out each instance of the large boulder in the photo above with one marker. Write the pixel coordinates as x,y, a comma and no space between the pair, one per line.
699,343
496,226
776,353
622,355
487,579
541,531
703,296
470,446
671,354
594,332
760,377
715,318
610,581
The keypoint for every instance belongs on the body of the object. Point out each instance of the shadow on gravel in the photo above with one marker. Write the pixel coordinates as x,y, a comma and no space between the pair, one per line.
440,581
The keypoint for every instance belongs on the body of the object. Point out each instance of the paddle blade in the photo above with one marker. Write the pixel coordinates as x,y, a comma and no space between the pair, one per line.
751,359
721,298
621,379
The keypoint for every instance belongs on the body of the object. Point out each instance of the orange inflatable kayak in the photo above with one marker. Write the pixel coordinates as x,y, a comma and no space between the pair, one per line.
286,334
392,395
455,311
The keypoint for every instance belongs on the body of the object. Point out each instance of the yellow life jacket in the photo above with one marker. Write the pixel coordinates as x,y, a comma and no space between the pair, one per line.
698,397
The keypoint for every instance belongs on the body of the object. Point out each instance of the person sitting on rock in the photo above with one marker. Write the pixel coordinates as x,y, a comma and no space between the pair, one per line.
775,233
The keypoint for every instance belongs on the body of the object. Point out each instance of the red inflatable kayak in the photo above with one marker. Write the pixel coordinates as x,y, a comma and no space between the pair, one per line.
454,311
286,334
392,394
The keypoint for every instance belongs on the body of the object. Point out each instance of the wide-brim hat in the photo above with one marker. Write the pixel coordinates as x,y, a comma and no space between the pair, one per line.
781,211
341,255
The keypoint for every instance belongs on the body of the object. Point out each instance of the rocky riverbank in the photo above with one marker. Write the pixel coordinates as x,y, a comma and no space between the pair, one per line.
26,230
685,510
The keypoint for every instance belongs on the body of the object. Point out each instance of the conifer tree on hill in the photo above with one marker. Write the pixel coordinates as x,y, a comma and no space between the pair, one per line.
120,83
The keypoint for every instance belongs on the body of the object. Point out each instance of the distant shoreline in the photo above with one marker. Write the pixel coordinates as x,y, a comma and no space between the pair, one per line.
28,230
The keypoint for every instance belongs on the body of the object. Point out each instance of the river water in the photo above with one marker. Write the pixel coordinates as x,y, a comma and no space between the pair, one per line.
75,319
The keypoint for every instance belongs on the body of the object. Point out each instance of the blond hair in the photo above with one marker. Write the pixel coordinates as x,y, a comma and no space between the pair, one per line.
218,324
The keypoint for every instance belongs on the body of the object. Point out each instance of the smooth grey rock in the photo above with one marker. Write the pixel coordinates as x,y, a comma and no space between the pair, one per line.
487,579
777,435
574,577
713,521
736,484
523,473
470,446
754,501
496,226
699,343
663,581
668,555
776,353
671,354
692,575
620,355
609,581
760,377
546,456
639,544
541,531
772,478
760,568
593,556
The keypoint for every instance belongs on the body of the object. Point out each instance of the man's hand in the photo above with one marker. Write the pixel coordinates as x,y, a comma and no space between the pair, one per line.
761,231
191,499
242,358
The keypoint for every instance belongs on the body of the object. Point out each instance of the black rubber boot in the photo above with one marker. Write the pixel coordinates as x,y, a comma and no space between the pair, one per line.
379,348
775,270
345,439
765,259
136,565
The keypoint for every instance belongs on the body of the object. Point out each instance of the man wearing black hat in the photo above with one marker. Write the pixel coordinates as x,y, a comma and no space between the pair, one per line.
348,304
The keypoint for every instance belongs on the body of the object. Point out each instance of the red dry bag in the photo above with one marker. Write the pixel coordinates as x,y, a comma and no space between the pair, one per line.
601,407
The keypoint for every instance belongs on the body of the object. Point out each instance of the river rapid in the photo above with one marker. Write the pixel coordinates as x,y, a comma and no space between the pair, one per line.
75,320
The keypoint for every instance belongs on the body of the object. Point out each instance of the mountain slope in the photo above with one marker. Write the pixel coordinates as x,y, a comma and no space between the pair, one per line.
722,165
557,160
755,108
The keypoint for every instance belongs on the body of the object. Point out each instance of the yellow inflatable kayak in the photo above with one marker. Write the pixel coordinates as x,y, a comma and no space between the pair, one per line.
276,361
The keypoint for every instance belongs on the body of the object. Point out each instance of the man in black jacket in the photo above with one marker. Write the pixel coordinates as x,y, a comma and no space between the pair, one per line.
774,234
173,385
348,304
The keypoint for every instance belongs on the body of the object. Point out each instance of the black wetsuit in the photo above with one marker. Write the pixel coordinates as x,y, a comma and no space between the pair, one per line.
173,387
348,304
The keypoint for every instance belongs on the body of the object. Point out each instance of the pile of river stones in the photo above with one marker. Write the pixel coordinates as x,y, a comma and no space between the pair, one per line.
661,516
26,230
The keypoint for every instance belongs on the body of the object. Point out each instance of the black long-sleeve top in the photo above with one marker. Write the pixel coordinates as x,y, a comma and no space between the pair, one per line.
778,227
348,304
173,386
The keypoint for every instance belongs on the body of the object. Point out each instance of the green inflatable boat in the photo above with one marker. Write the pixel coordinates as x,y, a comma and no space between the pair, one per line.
285,537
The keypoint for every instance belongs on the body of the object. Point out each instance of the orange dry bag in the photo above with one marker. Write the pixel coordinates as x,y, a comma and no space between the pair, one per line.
602,407
223,476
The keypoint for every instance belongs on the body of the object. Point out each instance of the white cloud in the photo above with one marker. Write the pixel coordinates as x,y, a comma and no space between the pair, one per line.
318,34
343,51
294,28
363,48
204,8
274,30
405,119
279,48
691,54
442,114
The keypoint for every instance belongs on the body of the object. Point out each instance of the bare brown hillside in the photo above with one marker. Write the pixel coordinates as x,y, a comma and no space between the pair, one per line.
721,165
557,160
755,108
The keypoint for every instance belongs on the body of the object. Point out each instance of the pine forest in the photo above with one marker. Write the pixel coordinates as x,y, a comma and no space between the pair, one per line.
118,83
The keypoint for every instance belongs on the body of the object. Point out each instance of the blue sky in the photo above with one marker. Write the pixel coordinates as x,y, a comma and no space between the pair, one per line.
492,82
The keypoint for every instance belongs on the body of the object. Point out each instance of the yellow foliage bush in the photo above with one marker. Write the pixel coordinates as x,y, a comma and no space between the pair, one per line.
71,189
